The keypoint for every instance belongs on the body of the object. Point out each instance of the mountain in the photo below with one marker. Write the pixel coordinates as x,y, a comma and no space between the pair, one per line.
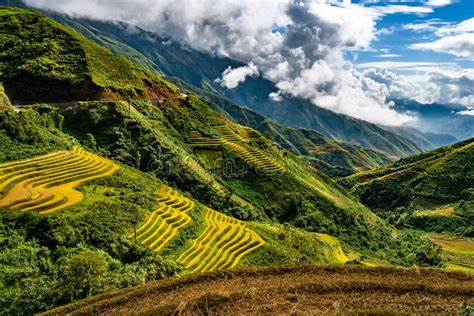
331,157
112,176
439,118
426,140
432,190
201,70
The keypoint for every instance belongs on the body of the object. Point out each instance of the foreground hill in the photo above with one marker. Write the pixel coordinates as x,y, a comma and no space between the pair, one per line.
347,290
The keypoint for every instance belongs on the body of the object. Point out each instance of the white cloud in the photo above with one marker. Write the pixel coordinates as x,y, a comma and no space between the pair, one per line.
458,45
466,112
403,65
439,3
402,9
388,56
442,85
454,39
231,78
305,60
427,26
466,26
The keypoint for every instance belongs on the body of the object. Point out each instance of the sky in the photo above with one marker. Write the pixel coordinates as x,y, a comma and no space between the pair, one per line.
352,57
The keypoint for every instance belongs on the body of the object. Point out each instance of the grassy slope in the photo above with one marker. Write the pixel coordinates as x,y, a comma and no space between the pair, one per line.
289,289
432,191
72,67
437,177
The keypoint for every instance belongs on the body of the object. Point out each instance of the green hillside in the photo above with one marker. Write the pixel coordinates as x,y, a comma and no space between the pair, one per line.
333,158
42,60
111,180
432,190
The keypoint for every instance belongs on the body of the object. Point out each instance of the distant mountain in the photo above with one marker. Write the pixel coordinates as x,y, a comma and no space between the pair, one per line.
331,157
201,69
425,140
439,118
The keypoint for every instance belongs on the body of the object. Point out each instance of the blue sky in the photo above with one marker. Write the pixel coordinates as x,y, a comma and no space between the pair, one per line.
395,39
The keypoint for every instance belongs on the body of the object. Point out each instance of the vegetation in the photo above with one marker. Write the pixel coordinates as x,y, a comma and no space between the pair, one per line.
63,64
293,289
122,229
410,192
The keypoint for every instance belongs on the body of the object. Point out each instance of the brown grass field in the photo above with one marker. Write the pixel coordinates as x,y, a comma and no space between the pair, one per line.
298,290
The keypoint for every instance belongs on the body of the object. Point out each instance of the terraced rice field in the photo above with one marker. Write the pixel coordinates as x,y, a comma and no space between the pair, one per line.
47,183
222,244
458,251
454,243
237,144
166,221
336,253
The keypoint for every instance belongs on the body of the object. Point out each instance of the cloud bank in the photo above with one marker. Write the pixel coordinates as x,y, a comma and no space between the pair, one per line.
304,57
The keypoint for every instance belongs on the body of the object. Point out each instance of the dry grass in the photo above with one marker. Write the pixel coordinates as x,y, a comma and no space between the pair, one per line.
302,290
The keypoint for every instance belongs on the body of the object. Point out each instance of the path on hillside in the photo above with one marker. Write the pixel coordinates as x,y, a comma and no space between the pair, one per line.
282,290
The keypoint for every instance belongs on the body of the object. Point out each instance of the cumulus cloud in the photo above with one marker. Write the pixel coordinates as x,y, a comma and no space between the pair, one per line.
442,85
304,58
231,78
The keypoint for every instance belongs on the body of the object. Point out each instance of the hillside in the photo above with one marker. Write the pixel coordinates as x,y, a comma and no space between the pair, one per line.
145,184
43,61
200,69
330,157
311,290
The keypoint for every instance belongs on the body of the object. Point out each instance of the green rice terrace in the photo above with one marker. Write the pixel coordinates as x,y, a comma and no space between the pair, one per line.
111,177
